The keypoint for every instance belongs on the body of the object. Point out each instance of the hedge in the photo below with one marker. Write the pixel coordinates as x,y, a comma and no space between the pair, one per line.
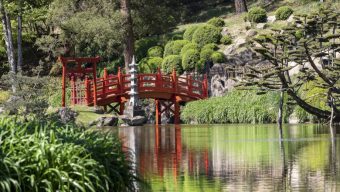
206,34
174,47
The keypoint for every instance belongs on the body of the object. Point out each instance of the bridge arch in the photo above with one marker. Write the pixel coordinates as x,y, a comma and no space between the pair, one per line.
168,90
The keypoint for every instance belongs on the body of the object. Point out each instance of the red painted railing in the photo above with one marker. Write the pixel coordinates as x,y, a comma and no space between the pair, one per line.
110,86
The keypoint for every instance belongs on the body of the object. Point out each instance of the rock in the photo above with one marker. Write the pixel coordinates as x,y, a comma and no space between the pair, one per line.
294,70
2,110
105,121
66,115
248,24
224,31
261,25
98,110
271,19
240,42
218,85
251,33
291,19
231,49
134,121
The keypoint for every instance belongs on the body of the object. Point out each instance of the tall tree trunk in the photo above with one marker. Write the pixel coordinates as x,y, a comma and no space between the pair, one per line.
280,113
7,30
20,58
241,6
129,37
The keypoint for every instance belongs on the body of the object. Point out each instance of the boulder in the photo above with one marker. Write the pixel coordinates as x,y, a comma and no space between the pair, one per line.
225,31
218,85
271,19
98,110
261,25
296,68
105,121
66,115
134,121
251,33
291,18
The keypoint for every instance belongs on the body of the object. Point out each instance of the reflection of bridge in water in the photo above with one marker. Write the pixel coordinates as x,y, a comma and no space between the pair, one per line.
175,154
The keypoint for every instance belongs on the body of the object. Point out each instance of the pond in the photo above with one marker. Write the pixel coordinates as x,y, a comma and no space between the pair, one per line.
235,157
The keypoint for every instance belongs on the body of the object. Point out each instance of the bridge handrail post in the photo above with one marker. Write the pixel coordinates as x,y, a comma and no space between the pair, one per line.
205,86
120,82
159,78
73,93
104,82
95,85
87,91
174,80
190,84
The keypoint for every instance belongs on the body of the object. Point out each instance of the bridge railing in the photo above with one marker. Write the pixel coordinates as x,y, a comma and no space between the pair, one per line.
118,85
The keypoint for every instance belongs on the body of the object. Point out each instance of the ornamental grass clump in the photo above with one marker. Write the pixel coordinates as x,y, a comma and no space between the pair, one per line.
235,107
45,156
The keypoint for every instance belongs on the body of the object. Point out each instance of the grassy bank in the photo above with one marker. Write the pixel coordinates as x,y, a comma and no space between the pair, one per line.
47,156
235,107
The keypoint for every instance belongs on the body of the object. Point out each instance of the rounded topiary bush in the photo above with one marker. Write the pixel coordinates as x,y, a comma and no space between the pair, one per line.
283,13
257,15
189,32
174,47
190,59
156,51
212,46
217,22
205,54
206,34
226,40
150,64
217,57
188,47
172,62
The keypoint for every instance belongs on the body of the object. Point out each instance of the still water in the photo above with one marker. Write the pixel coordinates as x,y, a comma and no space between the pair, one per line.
235,157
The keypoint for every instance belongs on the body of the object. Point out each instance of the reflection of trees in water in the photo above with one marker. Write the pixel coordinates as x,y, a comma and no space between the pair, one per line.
248,161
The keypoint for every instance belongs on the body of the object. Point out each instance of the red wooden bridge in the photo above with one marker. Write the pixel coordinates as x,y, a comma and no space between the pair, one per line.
112,90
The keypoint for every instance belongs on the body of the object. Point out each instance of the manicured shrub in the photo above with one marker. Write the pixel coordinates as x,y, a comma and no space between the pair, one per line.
155,63
172,62
217,22
206,34
212,46
189,32
205,54
257,15
150,64
190,59
174,47
226,40
156,51
188,47
283,13
217,57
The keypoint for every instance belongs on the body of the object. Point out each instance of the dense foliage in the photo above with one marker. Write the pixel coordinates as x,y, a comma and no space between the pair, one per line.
206,34
231,108
187,47
217,22
46,156
217,57
315,53
257,15
155,51
189,32
174,47
226,40
190,59
283,13
172,62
